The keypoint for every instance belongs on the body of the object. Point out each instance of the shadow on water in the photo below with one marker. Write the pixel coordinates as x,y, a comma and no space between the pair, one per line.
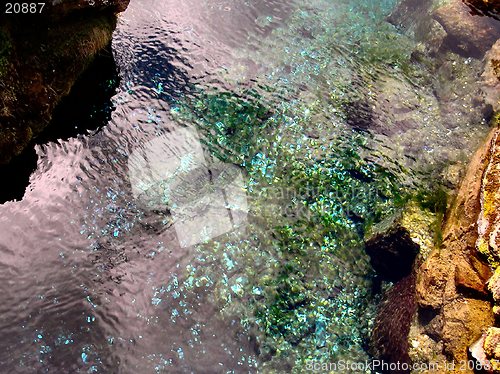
88,107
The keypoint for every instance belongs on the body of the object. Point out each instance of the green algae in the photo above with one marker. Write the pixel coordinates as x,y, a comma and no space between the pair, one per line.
300,278
296,275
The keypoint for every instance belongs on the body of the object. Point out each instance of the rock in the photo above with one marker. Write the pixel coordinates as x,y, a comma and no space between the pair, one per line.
453,303
491,77
390,335
488,242
494,286
412,16
433,277
484,7
492,347
39,64
468,35
464,322
477,352
471,275
391,249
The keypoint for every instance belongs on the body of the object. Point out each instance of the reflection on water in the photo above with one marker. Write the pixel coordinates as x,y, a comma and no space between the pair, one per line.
326,122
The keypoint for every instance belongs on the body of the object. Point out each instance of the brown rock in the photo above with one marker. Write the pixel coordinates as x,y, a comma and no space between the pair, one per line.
471,275
464,322
491,76
467,34
451,281
432,279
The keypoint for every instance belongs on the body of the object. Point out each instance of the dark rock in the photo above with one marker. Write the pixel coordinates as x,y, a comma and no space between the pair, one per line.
392,325
39,64
391,249
490,8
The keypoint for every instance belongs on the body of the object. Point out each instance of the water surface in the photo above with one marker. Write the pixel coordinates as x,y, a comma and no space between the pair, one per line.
315,114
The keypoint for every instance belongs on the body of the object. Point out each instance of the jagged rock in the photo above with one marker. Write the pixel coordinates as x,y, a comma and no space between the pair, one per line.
450,282
39,64
484,7
491,76
469,35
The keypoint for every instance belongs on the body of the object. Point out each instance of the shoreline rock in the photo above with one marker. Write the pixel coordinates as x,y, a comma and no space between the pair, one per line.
40,64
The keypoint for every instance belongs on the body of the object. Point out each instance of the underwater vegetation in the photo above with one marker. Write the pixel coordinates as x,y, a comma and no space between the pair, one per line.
336,120
296,274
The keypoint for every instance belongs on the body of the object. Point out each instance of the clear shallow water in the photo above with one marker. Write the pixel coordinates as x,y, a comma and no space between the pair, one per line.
96,275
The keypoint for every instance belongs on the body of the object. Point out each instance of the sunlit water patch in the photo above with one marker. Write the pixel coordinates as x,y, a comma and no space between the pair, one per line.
216,223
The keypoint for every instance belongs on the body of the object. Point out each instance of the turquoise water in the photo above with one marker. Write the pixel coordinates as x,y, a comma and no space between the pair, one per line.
216,223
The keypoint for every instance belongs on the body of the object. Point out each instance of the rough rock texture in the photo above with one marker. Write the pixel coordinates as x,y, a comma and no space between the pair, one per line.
39,64
488,241
491,76
491,346
469,35
394,317
453,303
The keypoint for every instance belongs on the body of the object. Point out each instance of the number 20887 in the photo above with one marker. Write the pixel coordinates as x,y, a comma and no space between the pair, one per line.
23,8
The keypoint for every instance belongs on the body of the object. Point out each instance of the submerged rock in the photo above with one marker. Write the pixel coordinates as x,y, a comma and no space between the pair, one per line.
392,325
453,23
392,252
40,64
468,34
491,77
